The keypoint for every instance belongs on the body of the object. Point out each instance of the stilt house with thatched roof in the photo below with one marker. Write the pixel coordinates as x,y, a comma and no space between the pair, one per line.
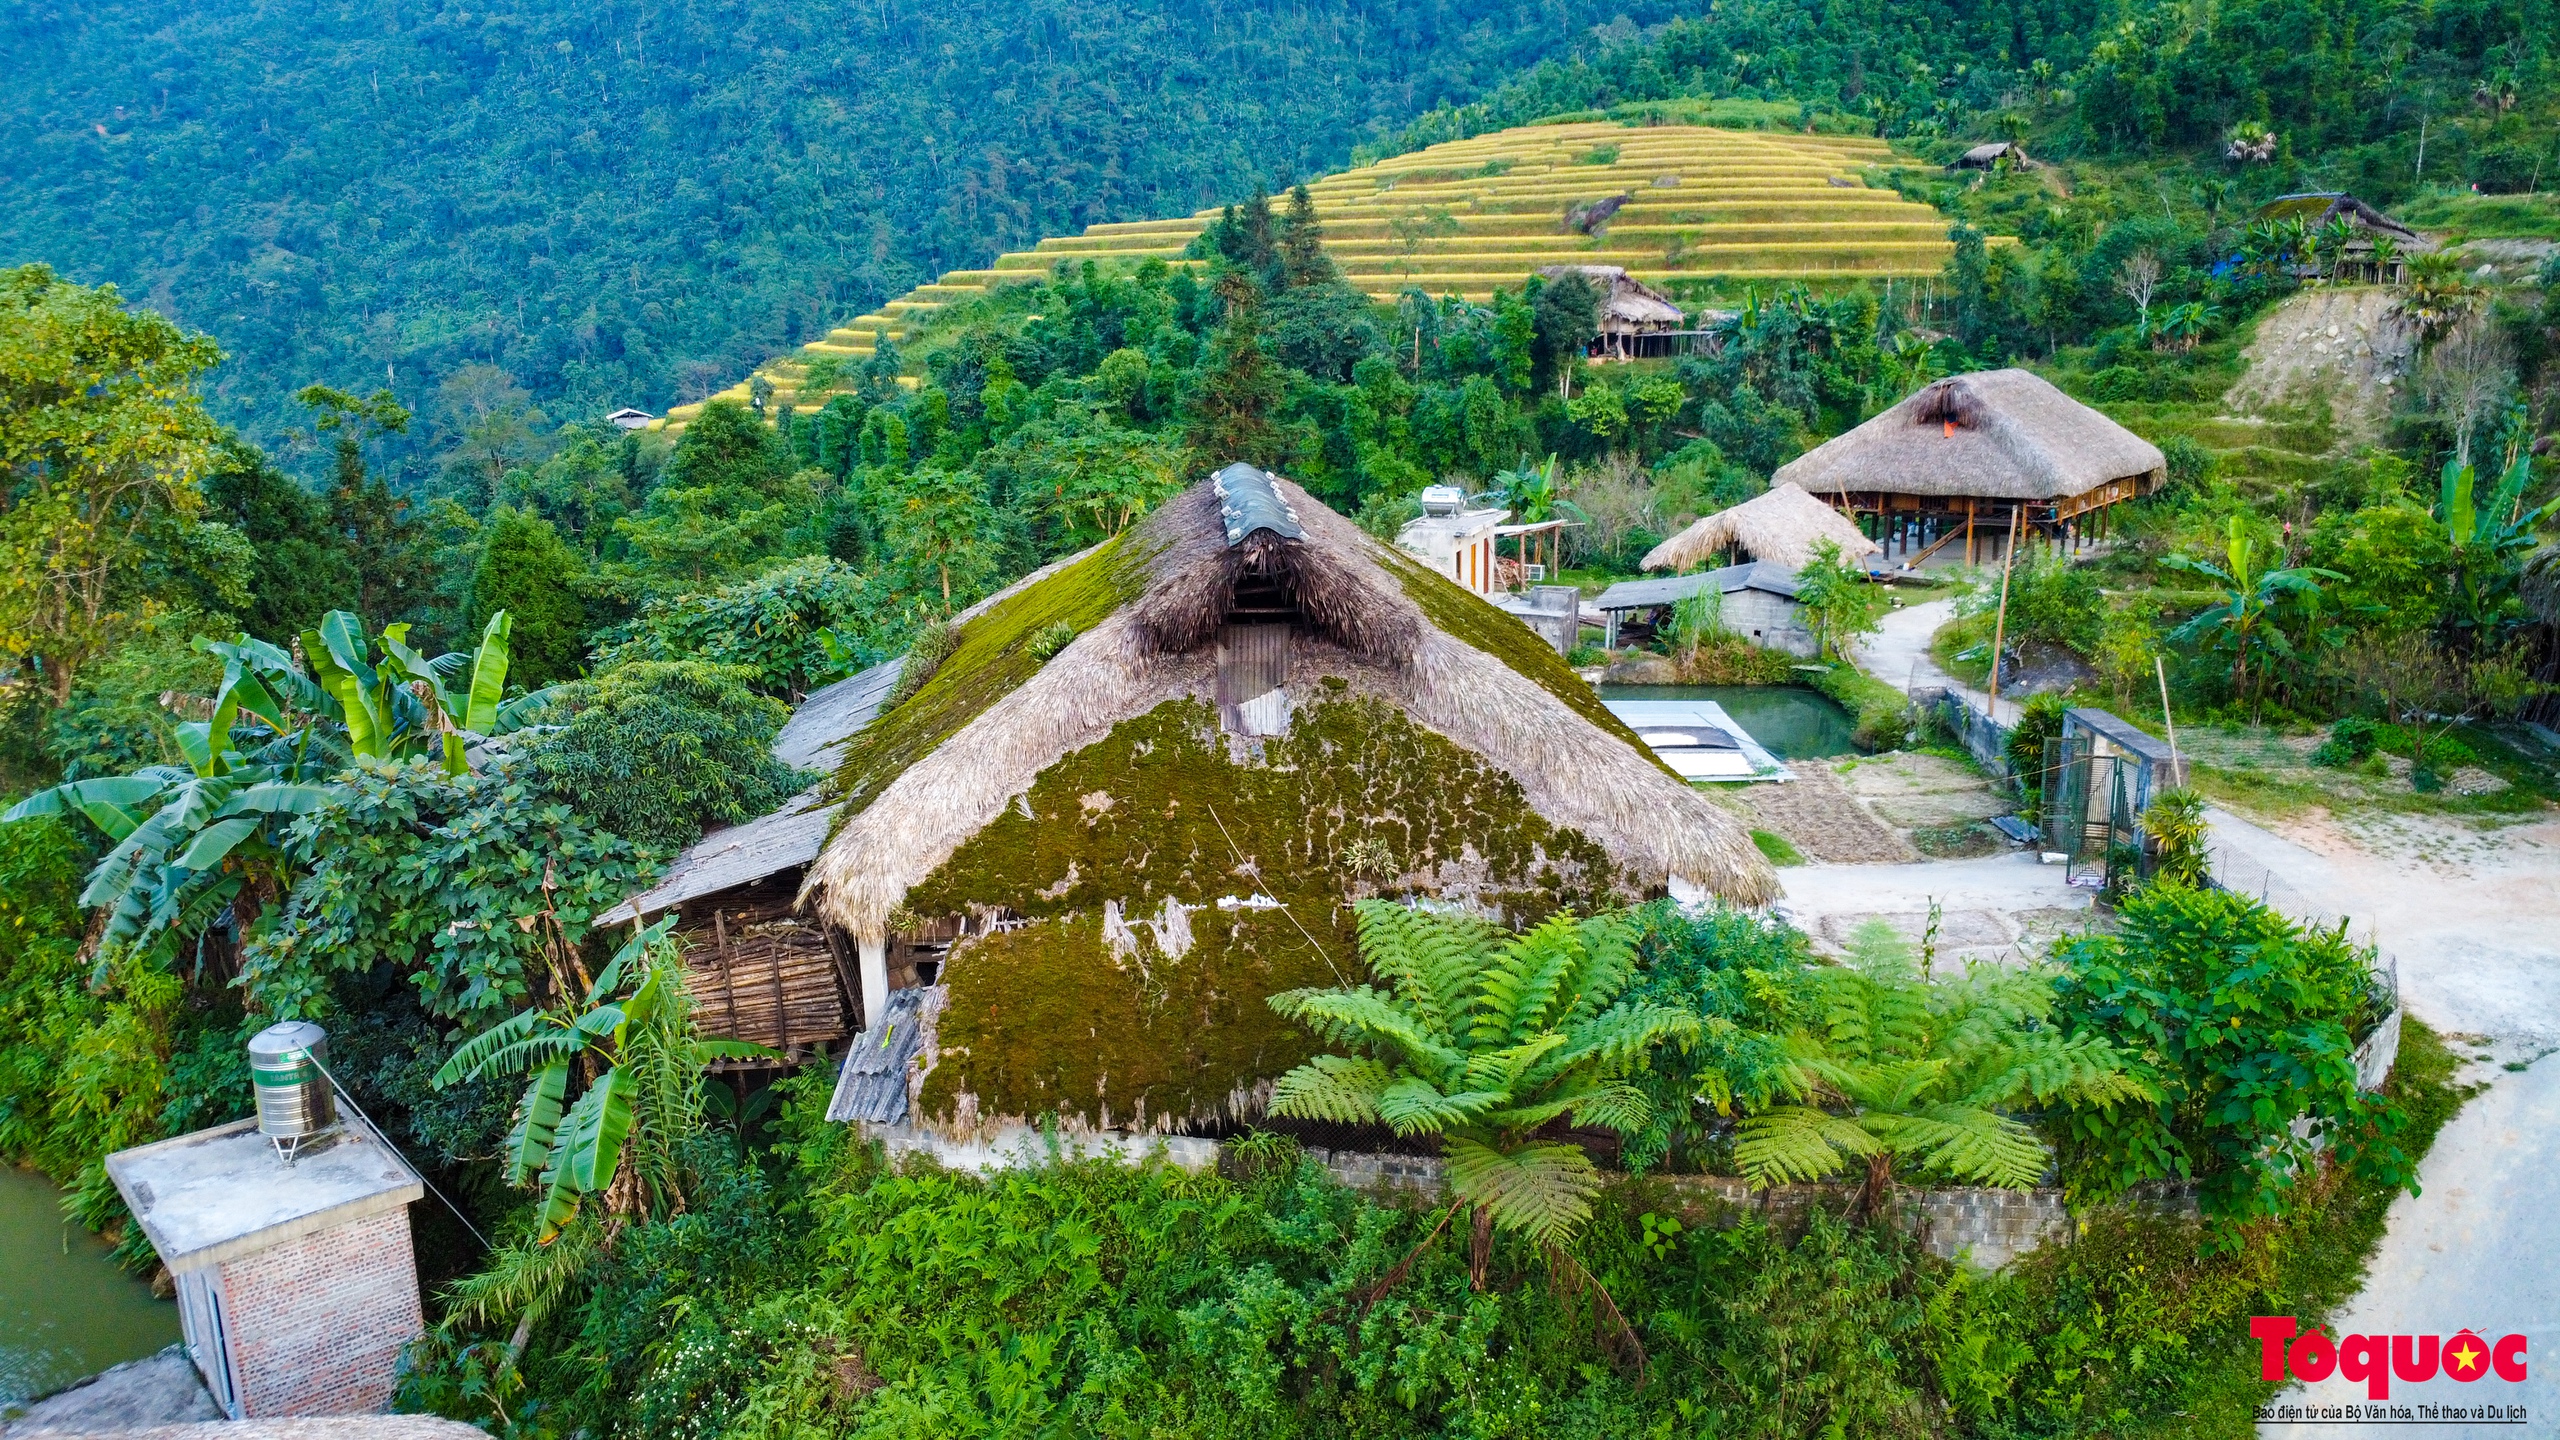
1136,835
1779,526
1636,321
1971,458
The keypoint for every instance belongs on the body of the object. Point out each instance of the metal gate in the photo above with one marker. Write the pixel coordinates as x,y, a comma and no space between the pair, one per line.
2093,815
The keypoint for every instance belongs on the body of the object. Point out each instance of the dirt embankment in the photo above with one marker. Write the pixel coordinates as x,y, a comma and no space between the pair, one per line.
2348,346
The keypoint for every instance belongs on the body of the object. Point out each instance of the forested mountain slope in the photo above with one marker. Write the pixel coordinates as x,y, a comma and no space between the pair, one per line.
630,203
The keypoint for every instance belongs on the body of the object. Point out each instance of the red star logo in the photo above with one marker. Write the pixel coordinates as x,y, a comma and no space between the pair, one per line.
2468,1357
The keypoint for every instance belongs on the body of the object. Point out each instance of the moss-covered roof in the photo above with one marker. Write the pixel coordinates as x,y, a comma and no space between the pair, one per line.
990,659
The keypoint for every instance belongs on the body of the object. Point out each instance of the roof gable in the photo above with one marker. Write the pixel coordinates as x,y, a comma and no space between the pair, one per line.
1993,434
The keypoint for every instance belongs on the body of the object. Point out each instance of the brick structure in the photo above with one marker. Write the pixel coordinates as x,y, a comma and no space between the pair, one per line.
297,1286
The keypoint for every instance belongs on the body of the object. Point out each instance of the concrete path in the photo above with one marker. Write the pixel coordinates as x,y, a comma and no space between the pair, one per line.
1898,654
2471,919
2475,929
2004,908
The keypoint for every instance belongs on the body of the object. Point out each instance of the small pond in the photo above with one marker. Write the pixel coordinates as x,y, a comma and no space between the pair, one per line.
66,1311
1792,721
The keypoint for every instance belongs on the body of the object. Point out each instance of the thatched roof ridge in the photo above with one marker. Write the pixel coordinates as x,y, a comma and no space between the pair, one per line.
1993,434
1780,526
1367,628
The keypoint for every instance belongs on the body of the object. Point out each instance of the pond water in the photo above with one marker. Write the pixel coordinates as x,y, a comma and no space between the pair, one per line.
1792,721
66,1311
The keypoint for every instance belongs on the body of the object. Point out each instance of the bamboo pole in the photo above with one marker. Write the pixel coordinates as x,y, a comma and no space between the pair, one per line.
2000,625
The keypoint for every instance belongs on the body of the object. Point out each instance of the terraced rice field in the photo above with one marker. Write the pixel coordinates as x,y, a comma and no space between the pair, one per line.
1465,217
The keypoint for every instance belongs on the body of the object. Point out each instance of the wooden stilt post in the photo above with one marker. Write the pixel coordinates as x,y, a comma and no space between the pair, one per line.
1969,558
728,986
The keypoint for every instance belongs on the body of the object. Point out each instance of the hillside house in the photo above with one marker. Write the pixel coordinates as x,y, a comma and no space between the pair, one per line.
1757,602
1264,715
2377,248
1636,321
1969,457
1781,525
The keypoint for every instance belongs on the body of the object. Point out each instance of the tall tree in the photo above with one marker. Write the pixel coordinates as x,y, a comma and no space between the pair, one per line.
1302,257
1239,388
395,572
528,571
103,439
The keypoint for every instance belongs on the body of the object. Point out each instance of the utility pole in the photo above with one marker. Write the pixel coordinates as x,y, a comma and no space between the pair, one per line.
2000,624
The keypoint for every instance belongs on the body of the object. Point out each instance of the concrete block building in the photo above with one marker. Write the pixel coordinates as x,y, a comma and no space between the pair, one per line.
297,1285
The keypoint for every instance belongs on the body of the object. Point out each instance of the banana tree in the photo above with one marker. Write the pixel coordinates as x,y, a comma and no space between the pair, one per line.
2490,543
394,707
188,840
2243,618
632,1035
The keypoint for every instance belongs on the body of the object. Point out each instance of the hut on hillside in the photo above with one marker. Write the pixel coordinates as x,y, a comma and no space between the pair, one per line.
759,970
1781,526
1971,456
1636,321
1264,715
2363,256
1998,155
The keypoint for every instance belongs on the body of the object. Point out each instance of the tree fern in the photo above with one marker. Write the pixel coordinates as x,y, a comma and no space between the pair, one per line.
1484,1040
1929,1071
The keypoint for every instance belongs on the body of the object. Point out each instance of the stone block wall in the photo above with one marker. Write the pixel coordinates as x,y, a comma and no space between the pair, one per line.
1981,1225
316,1323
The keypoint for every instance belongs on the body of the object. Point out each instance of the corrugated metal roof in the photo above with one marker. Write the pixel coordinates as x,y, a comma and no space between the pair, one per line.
739,855
873,1084
1754,575
829,717
1247,502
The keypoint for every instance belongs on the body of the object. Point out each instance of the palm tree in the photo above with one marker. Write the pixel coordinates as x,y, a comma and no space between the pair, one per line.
2241,617
1929,1072
1487,1040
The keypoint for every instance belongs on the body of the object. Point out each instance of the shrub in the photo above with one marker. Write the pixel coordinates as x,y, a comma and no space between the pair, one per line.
1880,715
659,750
2039,725
771,625
2351,742
2249,1024
438,878
1047,641
527,570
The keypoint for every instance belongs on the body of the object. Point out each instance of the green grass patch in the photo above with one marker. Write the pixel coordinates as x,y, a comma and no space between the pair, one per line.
1881,714
1777,848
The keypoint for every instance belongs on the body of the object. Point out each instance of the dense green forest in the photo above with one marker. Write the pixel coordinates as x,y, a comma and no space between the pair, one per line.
632,204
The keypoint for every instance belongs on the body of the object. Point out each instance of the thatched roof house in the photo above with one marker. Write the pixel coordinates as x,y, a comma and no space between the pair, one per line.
1781,525
1263,714
1979,446
1630,311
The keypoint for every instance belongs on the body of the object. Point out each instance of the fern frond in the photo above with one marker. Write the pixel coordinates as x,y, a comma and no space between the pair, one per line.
1413,1107
1539,1190
1797,1142
1968,1143
1622,1108
1332,1087
1522,982
1367,1016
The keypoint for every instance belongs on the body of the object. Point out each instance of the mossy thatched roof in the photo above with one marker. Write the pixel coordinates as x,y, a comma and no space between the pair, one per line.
1147,606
